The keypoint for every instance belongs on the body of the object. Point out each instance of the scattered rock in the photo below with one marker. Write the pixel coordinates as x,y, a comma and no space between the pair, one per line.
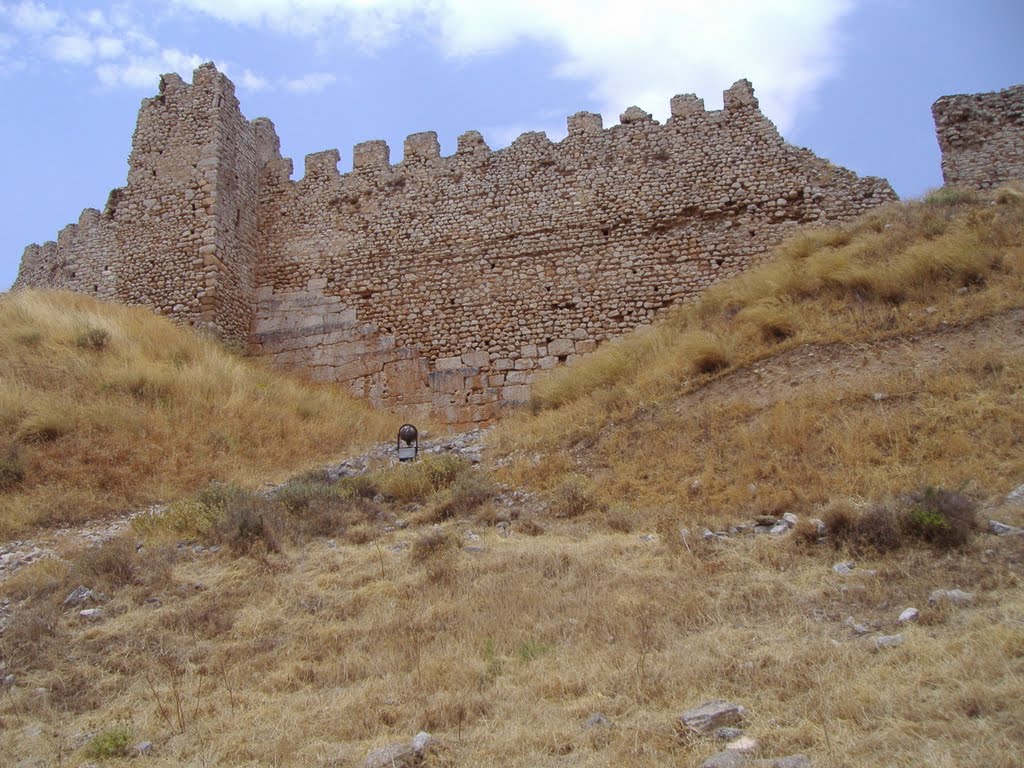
1002,529
1016,496
725,760
730,759
597,720
504,528
779,528
91,614
858,629
843,569
820,525
883,642
396,755
728,733
744,744
648,538
711,715
953,596
790,519
909,615
143,748
79,595
768,520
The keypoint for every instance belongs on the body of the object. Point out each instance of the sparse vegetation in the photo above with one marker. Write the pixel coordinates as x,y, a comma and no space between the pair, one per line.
118,408
108,744
501,606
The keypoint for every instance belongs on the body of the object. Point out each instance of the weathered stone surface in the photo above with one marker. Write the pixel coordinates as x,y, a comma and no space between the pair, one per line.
711,715
953,596
398,755
1002,529
883,642
909,615
981,136
468,265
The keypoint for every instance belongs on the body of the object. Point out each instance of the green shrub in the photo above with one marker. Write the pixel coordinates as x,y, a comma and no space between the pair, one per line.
944,519
112,743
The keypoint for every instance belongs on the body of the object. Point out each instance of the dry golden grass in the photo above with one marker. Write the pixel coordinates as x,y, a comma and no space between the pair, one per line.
685,400
503,654
851,371
111,407
961,254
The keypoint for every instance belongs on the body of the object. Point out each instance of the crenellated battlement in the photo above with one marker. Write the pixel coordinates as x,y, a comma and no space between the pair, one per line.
439,284
423,148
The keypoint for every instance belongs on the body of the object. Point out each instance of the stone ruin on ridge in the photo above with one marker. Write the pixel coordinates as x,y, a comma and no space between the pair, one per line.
440,285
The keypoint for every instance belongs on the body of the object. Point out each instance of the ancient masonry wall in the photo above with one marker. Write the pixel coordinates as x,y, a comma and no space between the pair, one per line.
981,137
181,236
440,285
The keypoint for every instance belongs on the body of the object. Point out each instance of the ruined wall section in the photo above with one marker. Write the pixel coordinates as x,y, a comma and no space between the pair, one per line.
83,259
981,137
181,236
449,283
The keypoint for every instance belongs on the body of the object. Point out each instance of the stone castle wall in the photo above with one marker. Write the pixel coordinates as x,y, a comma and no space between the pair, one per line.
441,285
981,137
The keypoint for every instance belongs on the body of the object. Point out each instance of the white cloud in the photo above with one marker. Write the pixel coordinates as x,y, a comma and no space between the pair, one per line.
109,47
314,82
74,49
144,72
252,81
640,51
33,17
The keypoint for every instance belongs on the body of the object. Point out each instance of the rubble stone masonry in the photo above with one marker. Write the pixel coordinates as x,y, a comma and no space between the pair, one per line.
981,136
439,285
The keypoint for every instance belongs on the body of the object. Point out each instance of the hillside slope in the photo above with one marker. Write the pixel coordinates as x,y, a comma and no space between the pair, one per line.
562,604
792,378
105,407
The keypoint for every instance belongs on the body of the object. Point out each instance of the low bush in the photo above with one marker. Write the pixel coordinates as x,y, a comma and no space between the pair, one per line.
12,468
108,744
93,339
470,491
431,545
108,566
934,516
875,528
944,519
44,426
248,525
417,480
574,496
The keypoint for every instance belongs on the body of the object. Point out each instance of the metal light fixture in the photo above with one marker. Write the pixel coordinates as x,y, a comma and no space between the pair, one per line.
408,442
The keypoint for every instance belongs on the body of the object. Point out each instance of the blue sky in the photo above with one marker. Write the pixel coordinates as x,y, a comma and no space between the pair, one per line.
852,80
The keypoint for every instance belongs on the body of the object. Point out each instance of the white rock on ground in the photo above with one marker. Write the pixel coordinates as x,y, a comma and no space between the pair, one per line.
909,615
711,715
953,596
